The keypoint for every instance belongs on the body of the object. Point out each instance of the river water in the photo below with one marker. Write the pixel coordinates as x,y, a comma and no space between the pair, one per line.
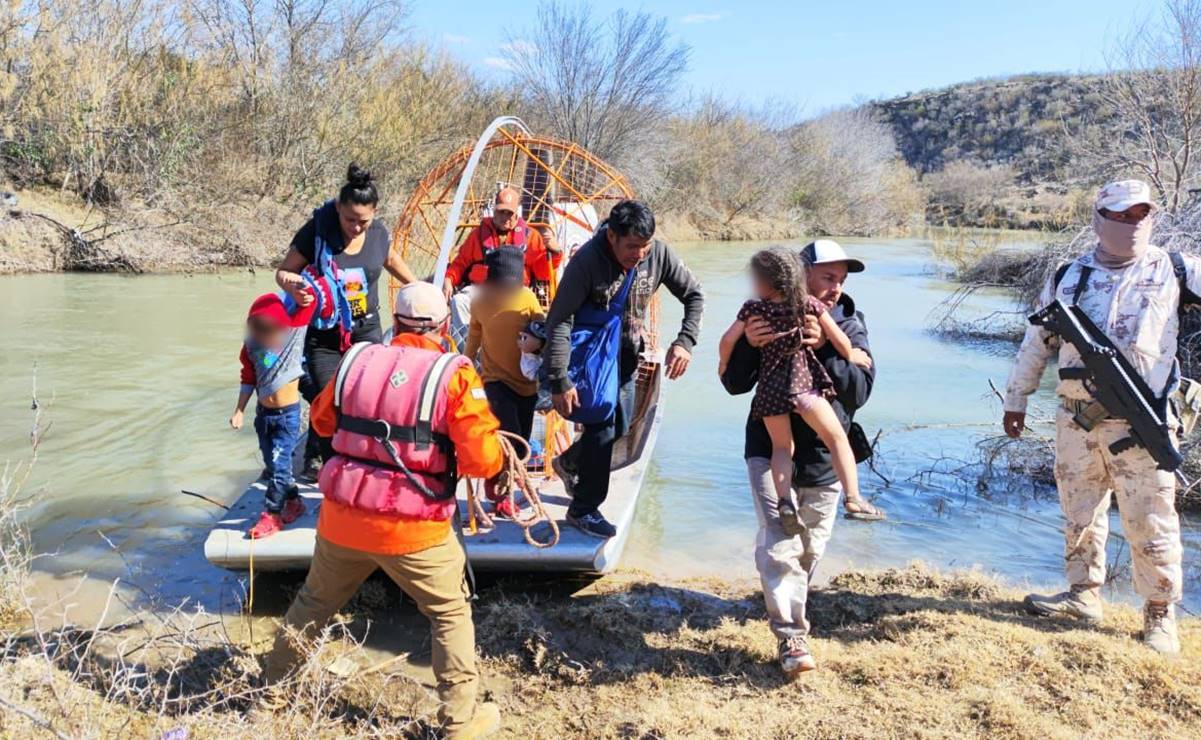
136,377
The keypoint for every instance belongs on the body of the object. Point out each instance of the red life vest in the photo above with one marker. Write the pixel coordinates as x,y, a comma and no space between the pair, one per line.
490,239
393,453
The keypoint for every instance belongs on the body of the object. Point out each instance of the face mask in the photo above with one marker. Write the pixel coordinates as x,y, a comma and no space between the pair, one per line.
1119,244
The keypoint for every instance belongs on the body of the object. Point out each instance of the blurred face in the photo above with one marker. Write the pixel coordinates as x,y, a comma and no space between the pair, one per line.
1131,215
504,218
501,288
628,250
762,289
354,218
265,333
825,282
504,210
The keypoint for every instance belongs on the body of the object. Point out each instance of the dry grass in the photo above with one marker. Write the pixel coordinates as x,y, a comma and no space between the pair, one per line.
52,231
960,249
906,652
902,653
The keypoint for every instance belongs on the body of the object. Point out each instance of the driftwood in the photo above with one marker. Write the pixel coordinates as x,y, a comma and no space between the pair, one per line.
81,254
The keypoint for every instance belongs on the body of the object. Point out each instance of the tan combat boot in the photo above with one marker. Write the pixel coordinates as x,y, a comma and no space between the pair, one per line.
1159,628
1078,603
485,722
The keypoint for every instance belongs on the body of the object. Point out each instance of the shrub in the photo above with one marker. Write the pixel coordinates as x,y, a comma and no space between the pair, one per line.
849,177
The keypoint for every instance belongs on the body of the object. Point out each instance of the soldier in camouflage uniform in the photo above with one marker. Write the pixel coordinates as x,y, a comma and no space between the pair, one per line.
1133,292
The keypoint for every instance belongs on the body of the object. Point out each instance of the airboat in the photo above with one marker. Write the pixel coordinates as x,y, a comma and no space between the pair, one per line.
569,190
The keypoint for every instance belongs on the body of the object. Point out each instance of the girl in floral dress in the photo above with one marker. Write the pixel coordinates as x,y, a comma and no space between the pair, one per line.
791,379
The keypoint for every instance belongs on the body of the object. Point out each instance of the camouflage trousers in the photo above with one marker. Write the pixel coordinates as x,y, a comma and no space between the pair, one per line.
1088,474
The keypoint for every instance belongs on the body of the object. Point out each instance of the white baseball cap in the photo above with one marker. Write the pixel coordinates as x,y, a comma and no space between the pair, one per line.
823,251
420,305
1120,195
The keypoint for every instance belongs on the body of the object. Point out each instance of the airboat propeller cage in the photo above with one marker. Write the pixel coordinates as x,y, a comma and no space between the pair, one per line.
456,208
561,185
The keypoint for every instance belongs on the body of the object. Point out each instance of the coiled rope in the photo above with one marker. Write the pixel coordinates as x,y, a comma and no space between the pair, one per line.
514,477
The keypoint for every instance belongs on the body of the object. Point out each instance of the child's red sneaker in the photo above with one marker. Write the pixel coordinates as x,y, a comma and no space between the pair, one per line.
293,509
267,525
505,508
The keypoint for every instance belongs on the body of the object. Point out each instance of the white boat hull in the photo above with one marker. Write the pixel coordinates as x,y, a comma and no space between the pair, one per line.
501,549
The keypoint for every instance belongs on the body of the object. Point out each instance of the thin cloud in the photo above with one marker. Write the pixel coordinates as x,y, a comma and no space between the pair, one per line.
519,46
508,52
455,39
498,63
693,18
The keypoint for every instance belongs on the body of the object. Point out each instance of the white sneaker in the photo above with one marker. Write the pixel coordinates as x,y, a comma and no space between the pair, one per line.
795,657
1159,628
1078,603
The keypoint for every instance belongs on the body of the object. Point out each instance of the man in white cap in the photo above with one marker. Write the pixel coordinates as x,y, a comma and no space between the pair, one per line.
1133,291
786,564
405,421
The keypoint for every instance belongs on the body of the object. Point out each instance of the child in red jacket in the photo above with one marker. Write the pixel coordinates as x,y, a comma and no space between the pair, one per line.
271,367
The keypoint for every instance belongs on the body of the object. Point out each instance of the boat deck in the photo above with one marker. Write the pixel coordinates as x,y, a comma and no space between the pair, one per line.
502,548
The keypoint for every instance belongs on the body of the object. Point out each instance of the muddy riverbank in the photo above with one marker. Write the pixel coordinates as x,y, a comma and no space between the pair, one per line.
905,652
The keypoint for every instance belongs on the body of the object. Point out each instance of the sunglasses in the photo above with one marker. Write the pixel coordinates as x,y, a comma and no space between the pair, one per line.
1130,216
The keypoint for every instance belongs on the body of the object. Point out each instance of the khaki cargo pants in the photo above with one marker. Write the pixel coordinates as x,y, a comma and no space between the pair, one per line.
1087,475
434,578
786,564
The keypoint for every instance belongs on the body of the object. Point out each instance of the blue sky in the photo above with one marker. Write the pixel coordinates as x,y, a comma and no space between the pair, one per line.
818,55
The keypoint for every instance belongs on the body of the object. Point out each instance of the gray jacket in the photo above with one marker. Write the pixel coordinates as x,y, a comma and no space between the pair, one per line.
593,275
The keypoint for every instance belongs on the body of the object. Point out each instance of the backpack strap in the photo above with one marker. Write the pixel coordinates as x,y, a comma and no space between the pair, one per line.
618,303
1059,273
1081,283
1187,296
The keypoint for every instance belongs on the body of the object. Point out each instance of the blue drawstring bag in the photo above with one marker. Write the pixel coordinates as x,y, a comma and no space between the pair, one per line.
323,266
596,357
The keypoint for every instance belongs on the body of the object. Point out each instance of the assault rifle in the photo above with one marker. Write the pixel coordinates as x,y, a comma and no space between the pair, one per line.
1114,382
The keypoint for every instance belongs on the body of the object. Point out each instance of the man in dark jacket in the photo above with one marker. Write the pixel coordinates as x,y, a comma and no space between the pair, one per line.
595,275
786,564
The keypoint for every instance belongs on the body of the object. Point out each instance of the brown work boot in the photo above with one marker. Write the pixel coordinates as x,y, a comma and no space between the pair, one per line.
1159,628
1080,602
485,722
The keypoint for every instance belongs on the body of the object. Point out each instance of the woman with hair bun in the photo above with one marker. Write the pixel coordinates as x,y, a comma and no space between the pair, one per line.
344,242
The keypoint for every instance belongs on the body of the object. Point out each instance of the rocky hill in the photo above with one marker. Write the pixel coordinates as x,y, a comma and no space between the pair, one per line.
1018,122
1004,143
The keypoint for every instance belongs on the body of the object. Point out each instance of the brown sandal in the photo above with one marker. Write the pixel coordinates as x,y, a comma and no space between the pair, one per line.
862,511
